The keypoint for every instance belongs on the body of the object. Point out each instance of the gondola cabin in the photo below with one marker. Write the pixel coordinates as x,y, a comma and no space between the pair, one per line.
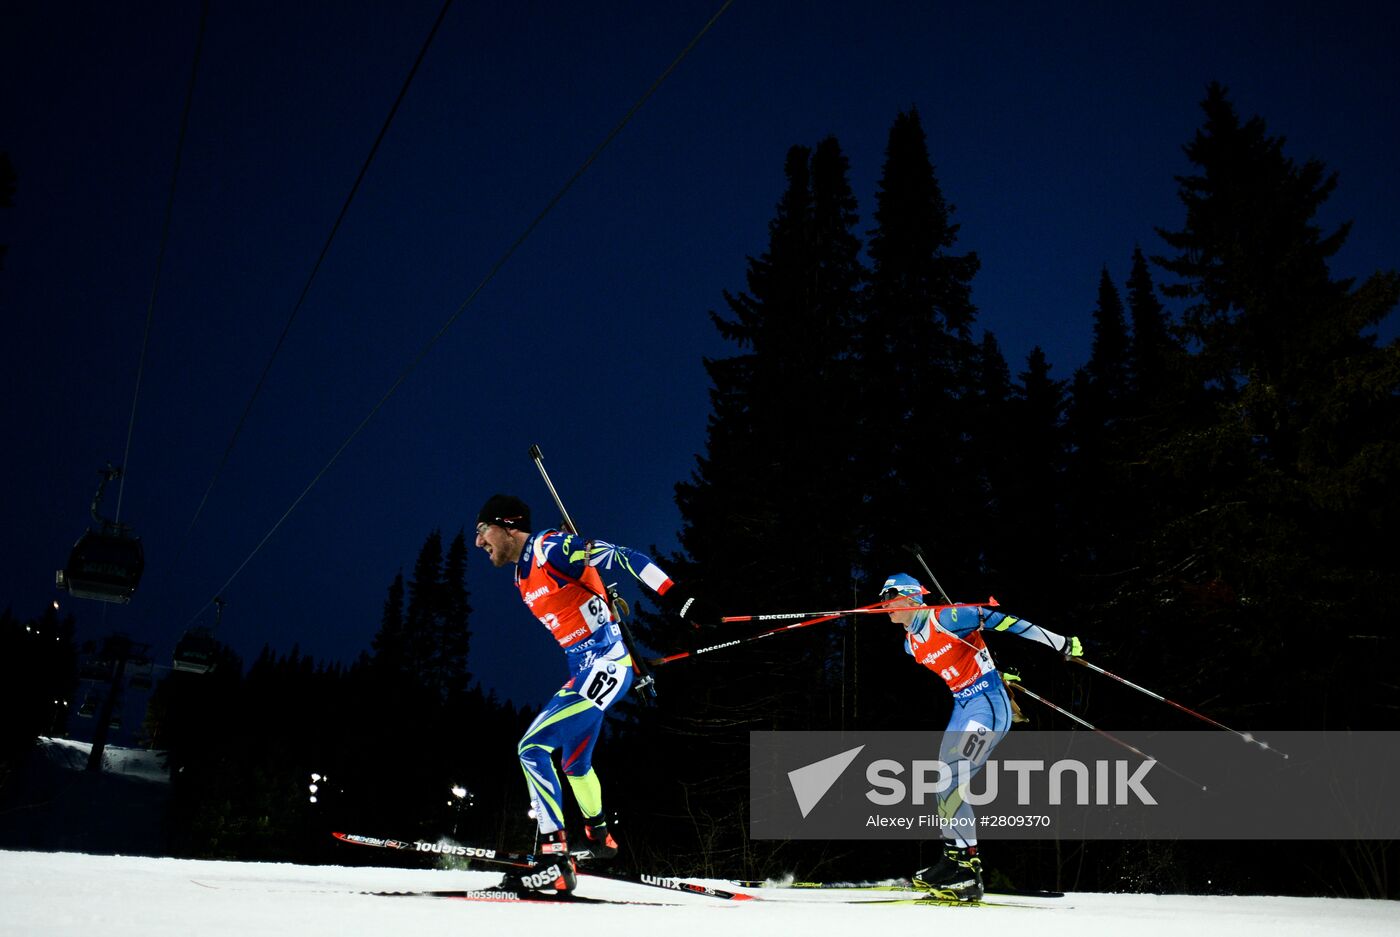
104,565
196,652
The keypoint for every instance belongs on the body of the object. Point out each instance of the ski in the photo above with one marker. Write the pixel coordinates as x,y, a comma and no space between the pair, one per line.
509,895
901,885
493,856
488,893
525,860
671,883
930,901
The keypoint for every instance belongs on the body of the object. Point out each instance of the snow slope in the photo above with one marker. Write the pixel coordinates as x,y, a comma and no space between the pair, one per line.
134,763
57,894
53,804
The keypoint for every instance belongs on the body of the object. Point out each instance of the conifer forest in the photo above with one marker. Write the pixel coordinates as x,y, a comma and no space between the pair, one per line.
1204,503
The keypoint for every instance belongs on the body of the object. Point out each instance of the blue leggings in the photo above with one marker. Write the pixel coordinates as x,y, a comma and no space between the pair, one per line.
977,725
569,724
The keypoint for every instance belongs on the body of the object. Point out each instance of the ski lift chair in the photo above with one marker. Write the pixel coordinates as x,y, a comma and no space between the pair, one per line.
103,566
195,651
107,561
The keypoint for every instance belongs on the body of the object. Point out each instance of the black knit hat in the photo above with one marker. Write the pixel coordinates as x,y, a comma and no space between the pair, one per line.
507,511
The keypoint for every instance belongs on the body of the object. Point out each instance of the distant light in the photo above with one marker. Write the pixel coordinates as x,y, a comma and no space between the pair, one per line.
315,777
313,799
55,603
459,792
313,788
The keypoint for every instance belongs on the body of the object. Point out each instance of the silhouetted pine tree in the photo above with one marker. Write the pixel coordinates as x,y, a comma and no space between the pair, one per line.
1163,396
988,412
777,469
1156,358
427,641
777,453
1101,518
918,364
923,397
777,445
453,638
1295,457
1108,365
424,601
416,691
390,643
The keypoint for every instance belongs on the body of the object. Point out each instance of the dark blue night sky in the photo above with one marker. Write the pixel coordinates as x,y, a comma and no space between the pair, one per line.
1056,130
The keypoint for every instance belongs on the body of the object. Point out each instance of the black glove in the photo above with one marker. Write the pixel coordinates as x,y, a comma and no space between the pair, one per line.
693,608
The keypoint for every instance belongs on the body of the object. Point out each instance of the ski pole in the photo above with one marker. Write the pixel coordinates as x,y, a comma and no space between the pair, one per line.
1016,685
681,655
538,457
882,608
645,682
1248,737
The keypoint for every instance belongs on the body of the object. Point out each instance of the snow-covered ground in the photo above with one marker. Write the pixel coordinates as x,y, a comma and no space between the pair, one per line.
56,894
51,894
134,763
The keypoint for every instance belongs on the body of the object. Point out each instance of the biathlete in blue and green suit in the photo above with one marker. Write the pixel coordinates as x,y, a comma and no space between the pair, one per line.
948,641
558,577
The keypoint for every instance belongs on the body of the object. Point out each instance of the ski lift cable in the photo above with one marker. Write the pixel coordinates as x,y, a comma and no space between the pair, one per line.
471,297
311,278
160,254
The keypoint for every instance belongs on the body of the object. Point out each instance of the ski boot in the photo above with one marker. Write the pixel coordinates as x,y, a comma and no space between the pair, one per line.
956,876
600,842
553,869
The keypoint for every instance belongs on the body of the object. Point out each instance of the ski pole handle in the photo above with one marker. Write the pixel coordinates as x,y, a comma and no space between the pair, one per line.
538,458
919,555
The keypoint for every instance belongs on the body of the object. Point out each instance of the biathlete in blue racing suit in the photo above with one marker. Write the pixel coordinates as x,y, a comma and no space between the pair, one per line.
948,641
558,576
